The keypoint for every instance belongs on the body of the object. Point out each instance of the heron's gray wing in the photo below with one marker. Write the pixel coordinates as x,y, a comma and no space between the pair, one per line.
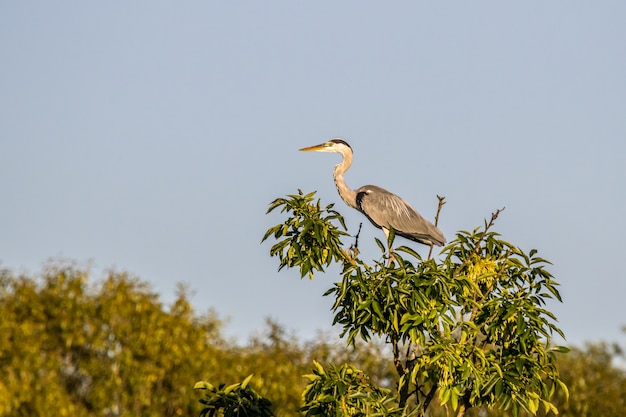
387,210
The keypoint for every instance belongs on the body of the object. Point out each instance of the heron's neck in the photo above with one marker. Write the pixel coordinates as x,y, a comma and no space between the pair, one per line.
348,195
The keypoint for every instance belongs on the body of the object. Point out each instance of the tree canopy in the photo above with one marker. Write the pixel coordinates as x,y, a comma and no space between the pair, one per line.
109,347
465,332
469,328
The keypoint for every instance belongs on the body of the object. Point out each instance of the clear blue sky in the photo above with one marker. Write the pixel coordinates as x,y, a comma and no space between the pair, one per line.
151,136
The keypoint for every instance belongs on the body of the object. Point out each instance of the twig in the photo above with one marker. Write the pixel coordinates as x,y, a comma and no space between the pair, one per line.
494,216
476,250
442,201
429,397
356,238
396,357
354,248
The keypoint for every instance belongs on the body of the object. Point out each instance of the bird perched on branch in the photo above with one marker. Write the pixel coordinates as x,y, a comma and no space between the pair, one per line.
384,209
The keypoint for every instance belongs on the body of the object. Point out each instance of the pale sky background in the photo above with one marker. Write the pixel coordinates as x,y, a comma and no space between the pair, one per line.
151,136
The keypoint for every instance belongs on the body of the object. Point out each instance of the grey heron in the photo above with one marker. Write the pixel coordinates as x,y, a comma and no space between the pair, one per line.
384,209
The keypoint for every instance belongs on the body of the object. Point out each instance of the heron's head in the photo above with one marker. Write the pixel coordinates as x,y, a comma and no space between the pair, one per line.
334,145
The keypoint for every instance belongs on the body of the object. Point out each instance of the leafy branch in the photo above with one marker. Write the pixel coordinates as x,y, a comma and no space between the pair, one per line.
236,400
308,239
473,325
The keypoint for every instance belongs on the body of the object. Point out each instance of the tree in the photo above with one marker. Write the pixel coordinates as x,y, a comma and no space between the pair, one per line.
85,347
110,349
469,329
596,381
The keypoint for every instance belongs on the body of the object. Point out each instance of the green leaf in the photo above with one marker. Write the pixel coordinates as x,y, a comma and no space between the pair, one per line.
409,251
203,385
444,395
245,382
319,368
454,399
231,388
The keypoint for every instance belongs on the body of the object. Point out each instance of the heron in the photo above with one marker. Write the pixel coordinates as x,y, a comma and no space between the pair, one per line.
384,209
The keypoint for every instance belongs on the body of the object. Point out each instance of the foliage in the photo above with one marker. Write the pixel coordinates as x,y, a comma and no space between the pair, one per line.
468,331
596,381
106,350
308,239
471,329
109,347
346,391
49,360
236,400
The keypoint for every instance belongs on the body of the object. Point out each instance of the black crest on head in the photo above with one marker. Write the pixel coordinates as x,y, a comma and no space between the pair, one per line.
337,140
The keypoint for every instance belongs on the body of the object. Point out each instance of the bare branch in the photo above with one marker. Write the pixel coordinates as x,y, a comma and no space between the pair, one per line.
442,201
356,238
429,397
397,362
494,216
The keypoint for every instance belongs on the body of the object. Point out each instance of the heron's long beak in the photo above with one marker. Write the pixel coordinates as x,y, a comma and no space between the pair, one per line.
320,147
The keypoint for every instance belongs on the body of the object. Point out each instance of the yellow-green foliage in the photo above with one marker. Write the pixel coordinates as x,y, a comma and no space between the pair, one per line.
105,349
74,346
83,347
